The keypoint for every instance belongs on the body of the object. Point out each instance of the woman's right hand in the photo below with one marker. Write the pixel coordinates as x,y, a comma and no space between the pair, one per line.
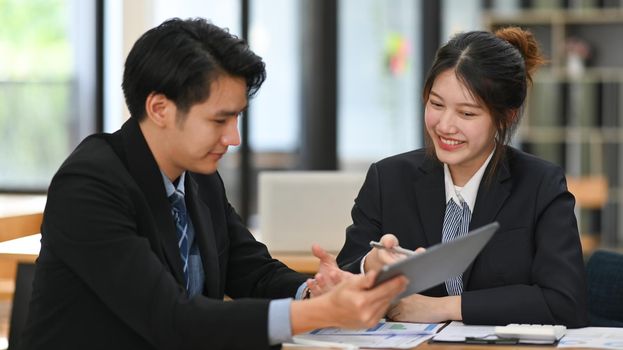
377,258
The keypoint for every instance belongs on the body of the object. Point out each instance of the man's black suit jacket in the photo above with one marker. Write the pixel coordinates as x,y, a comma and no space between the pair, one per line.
109,275
532,269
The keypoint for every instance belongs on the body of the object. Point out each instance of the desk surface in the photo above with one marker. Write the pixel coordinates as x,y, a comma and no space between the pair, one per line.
303,263
436,346
27,248
20,215
17,204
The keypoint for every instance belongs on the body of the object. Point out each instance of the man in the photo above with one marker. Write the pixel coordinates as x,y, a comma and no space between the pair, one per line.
139,243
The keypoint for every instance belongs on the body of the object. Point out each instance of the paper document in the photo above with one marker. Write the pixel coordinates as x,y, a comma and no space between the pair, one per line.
458,332
396,335
593,337
589,337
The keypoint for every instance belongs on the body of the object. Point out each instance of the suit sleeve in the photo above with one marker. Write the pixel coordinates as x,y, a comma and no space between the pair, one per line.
90,226
367,217
557,294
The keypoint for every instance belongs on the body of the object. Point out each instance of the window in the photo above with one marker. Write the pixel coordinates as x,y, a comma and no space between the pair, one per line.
274,123
379,82
463,15
47,87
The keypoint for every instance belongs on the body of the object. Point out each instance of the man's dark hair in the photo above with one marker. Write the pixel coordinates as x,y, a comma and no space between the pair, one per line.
181,58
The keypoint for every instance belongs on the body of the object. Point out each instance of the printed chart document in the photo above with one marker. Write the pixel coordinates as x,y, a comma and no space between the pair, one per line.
593,337
395,335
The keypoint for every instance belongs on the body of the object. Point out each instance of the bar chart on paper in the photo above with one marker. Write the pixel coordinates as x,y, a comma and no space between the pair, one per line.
383,335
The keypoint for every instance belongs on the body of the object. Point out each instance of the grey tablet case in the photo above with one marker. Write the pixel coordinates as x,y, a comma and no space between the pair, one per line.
439,262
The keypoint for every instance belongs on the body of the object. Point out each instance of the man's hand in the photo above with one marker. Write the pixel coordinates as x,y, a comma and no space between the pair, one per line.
353,303
329,274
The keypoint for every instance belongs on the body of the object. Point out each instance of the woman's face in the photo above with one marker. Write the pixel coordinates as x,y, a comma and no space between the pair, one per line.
460,128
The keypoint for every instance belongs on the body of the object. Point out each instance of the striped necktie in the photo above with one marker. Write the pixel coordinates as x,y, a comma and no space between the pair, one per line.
178,209
455,224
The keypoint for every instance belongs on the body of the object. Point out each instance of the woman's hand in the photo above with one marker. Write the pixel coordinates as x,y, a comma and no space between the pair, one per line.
424,309
377,258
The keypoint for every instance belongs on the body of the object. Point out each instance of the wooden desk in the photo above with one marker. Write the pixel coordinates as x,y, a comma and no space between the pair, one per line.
303,262
27,248
20,215
437,346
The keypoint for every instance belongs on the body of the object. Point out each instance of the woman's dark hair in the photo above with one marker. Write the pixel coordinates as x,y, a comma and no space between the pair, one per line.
497,69
181,58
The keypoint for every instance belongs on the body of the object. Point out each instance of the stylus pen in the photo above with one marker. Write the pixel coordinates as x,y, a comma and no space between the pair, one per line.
396,249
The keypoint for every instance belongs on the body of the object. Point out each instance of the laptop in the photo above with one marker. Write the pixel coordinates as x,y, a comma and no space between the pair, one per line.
299,208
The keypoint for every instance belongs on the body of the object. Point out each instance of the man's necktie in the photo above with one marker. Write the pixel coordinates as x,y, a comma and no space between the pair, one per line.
178,208
455,224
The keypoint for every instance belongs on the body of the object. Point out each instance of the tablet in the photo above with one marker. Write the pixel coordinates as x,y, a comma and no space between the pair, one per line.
439,262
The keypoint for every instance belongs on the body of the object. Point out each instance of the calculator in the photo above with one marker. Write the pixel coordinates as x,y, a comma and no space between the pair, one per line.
531,332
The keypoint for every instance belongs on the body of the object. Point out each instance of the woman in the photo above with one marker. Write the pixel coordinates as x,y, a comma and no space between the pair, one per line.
532,270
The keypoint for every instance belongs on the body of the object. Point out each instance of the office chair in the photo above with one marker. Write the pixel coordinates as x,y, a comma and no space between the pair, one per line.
605,289
10,228
21,299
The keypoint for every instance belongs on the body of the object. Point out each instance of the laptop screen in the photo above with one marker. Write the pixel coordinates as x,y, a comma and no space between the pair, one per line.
297,209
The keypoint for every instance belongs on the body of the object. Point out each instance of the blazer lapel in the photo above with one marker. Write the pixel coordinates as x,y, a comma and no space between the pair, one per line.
489,200
491,196
204,234
145,171
430,194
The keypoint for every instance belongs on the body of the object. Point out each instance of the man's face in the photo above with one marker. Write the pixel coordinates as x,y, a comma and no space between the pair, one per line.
197,140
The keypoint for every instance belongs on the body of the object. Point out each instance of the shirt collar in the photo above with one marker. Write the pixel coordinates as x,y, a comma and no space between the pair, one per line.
169,187
467,192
